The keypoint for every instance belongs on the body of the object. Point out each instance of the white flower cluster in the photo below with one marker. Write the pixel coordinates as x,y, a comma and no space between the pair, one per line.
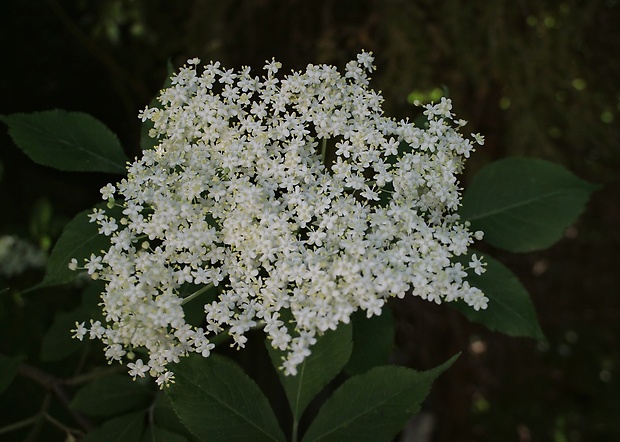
295,197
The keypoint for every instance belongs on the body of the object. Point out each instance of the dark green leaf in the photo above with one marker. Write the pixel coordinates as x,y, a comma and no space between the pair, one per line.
128,428
91,300
156,434
217,401
67,141
58,343
111,395
510,310
373,339
524,204
8,370
79,240
165,417
330,353
373,406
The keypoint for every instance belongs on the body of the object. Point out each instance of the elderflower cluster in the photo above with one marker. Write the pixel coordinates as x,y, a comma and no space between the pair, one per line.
295,198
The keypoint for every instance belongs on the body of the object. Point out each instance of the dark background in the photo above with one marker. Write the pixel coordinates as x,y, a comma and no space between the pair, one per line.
537,78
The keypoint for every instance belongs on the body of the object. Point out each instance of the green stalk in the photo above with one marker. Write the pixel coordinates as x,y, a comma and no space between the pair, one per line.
324,151
295,427
197,293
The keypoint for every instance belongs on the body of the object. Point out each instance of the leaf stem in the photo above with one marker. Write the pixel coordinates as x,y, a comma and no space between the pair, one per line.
324,151
295,429
21,424
197,293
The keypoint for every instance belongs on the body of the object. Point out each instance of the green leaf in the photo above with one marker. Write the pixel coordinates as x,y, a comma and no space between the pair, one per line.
67,141
111,395
79,240
524,204
128,428
329,354
156,434
8,370
510,310
373,339
217,401
57,344
91,300
373,406
165,417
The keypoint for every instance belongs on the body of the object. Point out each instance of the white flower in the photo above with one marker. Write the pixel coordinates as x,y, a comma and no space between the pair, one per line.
288,194
137,369
73,264
80,331
107,192
477,265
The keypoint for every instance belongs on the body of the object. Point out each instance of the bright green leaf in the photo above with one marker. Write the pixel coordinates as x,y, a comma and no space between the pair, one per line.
510,310
67,141
111,395
127,428
8,370
329,354
373,406
217,401
524,204
373,339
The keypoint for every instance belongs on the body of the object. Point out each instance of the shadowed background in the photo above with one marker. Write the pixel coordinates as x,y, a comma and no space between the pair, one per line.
537,78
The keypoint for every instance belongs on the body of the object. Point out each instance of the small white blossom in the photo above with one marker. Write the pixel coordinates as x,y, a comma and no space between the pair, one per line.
107,192
80,331
73,264
137,369
293,193
477,265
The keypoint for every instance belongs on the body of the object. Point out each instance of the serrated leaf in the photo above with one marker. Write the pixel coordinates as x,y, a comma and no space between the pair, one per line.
8,370
157,434
328,355
524,204
128,428
217,401
510,310
165,417
373,406
373,339
111,395
67,141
